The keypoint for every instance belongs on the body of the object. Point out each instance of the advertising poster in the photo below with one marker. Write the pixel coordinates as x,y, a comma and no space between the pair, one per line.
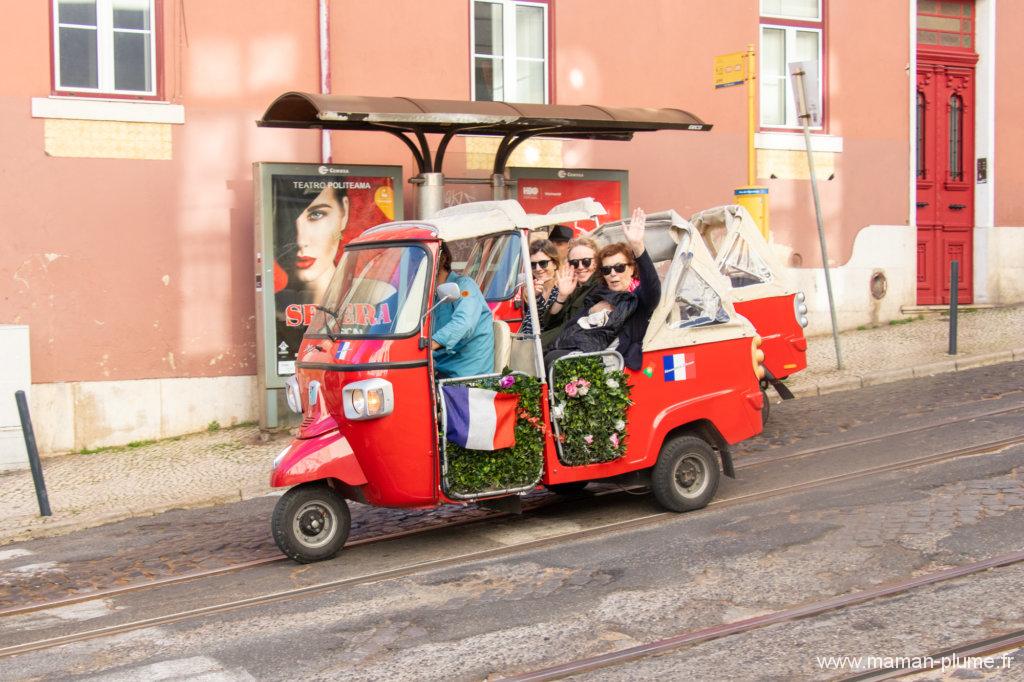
541,189
308,213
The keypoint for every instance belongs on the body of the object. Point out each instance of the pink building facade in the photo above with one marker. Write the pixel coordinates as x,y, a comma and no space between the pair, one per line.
129,137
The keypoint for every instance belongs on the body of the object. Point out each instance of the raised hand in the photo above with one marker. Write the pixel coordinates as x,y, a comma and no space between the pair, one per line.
634,231
566,277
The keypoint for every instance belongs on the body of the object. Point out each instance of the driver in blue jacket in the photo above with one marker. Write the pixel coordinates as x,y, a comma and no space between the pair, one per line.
463,338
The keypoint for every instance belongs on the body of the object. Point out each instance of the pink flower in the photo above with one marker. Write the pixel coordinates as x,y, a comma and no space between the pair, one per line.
614,438
507,381
583,383
570,389
588,439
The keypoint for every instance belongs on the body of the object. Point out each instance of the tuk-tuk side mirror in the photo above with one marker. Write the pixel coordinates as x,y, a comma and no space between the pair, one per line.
448,291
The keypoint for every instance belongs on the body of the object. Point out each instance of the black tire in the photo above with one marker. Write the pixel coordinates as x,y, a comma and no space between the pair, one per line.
765,407
568,489
311,523
686,474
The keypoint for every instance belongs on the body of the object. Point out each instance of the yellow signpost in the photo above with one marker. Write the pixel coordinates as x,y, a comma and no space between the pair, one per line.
730,69
738,68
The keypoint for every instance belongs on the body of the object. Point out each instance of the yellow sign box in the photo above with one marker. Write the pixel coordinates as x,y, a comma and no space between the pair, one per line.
730,69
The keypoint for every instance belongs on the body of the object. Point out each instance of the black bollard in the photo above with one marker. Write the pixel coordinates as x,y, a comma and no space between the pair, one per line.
954,283
33,454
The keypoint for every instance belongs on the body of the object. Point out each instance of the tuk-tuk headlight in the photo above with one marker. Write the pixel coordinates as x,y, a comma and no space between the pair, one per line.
292,394
368,399
358,402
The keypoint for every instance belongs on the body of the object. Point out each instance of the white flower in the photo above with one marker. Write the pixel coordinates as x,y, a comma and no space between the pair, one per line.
619,425
558,411
584,390
612,383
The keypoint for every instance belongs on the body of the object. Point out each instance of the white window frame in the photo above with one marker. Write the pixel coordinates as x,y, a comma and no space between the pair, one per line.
509,57
105,50
790,17
791,121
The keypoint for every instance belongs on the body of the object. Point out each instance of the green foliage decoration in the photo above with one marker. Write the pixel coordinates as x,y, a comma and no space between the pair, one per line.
472,472
590,404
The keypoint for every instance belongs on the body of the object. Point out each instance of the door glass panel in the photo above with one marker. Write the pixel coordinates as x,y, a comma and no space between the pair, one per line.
530,77
921,170
956,120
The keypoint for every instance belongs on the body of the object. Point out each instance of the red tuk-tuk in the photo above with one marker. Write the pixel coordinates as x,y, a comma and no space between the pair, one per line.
375,426
761,290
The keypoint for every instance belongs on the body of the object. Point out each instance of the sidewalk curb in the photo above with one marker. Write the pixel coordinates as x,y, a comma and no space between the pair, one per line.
931,369
45,527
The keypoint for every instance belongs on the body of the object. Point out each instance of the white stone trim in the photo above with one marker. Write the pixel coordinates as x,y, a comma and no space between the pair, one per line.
986,289
90,109
89,414
795,142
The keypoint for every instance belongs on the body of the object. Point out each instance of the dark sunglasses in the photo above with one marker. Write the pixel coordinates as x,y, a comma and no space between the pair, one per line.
578,262
540,264
618,267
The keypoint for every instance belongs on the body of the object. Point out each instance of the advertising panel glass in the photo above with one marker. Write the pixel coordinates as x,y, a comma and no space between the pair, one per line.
541,189
306,214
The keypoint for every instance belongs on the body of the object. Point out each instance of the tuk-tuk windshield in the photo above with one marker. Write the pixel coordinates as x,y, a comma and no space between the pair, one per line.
493,263
377,291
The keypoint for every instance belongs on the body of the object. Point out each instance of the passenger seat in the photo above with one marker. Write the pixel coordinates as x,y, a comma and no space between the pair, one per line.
502,345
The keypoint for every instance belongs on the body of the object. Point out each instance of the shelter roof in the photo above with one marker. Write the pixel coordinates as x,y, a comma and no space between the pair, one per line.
405,114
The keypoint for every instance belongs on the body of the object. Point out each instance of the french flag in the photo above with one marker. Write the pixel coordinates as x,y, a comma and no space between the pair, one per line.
478,419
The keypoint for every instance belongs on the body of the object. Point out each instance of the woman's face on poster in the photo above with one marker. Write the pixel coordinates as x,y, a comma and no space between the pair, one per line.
317,233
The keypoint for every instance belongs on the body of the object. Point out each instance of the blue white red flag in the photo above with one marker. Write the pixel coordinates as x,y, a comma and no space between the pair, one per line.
478,419
679,367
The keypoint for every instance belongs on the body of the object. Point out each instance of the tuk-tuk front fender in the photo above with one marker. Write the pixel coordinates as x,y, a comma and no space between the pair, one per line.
312,459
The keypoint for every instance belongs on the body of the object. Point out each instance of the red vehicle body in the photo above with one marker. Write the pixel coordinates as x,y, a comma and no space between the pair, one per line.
396,459
760,290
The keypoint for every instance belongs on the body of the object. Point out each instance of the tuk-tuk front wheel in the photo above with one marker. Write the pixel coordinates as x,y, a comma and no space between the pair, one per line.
686,474
311,522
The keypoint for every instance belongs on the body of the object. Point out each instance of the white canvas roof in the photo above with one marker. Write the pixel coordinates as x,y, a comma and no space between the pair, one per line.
671,238
737,224
481,218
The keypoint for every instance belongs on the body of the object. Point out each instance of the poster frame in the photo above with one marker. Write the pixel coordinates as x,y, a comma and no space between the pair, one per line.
264,255
517,173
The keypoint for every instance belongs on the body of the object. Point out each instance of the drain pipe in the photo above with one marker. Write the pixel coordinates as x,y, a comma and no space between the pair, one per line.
324,19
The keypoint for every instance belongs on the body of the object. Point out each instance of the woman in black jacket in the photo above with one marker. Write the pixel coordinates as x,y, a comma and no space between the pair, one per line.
575,280
617,266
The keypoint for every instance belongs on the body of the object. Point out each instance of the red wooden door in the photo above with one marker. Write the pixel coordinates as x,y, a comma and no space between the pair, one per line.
945,180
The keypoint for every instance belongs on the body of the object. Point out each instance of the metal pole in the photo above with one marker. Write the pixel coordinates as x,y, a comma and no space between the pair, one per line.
805,117
430,195
954,295
33,454
751,118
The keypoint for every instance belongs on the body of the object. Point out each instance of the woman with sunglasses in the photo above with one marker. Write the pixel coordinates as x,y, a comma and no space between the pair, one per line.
575,279
544,263
629,312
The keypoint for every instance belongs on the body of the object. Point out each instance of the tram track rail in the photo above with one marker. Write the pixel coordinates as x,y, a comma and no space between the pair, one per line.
490,553
812,609
989,646
496,516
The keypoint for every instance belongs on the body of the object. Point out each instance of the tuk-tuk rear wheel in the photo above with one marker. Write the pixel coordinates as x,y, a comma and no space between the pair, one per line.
311,522
686,474
766,407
